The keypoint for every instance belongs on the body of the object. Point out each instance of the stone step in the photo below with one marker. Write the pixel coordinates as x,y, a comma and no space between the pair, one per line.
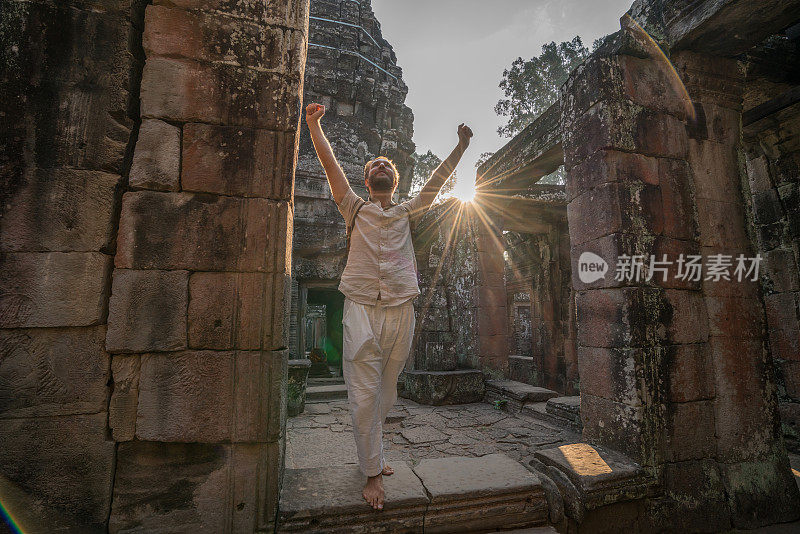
326,393
554,414
516,394
454,494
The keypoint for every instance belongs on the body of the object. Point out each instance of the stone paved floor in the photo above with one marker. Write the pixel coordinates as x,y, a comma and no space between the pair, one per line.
323,434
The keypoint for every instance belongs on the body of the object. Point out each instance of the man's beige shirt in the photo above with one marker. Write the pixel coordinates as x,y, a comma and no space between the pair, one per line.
381,259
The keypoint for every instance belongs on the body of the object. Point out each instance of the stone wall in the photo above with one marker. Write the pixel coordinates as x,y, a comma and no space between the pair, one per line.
353,71
446,326
673,370
772,160
69,83
147,172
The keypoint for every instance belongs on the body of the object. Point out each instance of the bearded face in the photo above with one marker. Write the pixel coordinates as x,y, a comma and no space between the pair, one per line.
381,176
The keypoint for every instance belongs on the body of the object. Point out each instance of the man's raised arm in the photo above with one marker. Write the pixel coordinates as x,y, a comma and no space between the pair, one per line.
336,178
445,168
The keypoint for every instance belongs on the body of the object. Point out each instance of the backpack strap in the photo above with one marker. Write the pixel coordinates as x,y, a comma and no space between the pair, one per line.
352,222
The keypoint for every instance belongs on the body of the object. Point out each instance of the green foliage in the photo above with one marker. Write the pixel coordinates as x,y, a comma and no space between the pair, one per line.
531,86
499,403
424,165
483,158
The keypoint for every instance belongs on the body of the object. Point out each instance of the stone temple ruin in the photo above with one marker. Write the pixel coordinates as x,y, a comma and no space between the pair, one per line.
166,238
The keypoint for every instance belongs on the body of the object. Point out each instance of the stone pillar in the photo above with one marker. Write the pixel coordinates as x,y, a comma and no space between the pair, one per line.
491,314
625,149
67,114
752,459
198,317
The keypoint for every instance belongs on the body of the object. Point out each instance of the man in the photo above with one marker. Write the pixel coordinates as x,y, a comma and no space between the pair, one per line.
379,283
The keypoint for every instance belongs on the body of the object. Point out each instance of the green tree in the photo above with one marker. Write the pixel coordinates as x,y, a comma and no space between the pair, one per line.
531,86
424,165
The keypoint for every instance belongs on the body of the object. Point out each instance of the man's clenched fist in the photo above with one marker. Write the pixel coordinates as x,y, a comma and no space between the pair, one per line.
314,112
464,135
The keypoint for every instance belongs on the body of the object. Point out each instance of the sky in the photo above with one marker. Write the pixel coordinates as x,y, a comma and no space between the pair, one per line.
453,53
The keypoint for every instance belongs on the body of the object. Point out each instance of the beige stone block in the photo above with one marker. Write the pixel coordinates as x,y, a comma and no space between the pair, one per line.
157,157
203,233
188,91
147,311
194,487
60,210
46,289
238,310
125,398
47,372
238,161
208,396
57,472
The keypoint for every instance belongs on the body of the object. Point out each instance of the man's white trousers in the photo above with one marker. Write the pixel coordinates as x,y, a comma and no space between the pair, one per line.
377,342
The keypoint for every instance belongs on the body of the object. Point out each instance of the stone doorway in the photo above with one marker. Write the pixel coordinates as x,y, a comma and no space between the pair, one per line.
320,332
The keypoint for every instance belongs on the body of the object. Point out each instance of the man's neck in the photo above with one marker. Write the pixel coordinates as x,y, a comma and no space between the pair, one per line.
384,199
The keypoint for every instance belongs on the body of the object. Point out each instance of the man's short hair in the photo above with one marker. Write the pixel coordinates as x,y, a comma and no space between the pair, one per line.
368,166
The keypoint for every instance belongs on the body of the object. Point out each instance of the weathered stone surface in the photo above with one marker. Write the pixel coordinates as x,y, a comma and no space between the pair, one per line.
57,472
444,387
337,504
49,372
207,396
291,14
218,38
691,376
520,391
238,310
422,434
626,435
192,487
125,370
186,91
625,127
602,476
42,289
203,233
237,161
612,208
689,434
761,492
157,157
65,210
66,83
488,492
611,373
147,311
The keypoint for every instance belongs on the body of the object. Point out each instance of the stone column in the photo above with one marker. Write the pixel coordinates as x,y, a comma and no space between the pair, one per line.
625,149
752,459
198,318
491,315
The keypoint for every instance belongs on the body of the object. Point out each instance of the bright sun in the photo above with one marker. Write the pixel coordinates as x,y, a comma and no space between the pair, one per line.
464,194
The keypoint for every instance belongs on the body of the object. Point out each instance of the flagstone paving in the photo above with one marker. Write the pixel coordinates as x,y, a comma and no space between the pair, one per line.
323,434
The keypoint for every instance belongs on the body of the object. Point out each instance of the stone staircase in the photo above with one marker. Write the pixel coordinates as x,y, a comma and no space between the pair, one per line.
454,494
329,389
560,411
539,403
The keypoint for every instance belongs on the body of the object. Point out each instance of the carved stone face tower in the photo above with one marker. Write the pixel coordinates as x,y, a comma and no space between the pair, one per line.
353,71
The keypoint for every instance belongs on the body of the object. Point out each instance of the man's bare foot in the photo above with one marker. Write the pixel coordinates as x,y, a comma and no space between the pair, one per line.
387,471
373,492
